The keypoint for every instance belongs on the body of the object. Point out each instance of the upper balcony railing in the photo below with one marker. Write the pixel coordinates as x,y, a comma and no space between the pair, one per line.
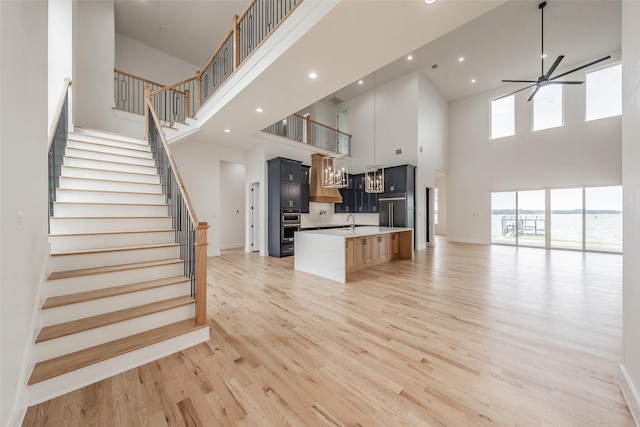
308,131
181,100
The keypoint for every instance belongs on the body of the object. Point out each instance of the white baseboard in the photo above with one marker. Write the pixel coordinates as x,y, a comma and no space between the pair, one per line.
466,240
232,245
630,393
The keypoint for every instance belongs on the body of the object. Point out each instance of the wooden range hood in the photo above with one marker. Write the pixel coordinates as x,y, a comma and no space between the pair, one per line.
318,193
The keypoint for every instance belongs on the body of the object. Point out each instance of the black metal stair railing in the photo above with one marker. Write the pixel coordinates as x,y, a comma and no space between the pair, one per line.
57,144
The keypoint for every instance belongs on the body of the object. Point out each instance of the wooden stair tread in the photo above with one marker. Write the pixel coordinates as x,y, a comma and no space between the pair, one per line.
114,249
142,149
109,191
109,217
152,173
113,154
110,180
73,327
56,275
109,161
79,297
64,364
109,204
78,130
100,233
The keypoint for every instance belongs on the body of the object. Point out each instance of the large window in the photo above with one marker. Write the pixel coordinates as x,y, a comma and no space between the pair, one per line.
566,218
604,93
575,218
503,117
547,108
503,217
603,219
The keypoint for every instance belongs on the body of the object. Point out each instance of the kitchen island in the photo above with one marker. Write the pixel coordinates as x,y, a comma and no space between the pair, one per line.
336,253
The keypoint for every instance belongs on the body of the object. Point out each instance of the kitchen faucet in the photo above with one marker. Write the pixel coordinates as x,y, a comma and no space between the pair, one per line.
354,221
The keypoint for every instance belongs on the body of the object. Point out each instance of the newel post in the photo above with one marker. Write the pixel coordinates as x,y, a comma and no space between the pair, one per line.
147,102
186,103
201,273
236,42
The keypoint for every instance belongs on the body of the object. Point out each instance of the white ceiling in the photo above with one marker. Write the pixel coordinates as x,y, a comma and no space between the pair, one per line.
501,44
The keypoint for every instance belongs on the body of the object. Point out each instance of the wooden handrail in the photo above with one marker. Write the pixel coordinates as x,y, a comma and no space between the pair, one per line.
213,56
149,107
171,87
248,8
137,77
321,124
56,113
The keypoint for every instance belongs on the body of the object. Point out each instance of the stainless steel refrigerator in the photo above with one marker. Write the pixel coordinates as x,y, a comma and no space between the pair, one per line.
394,211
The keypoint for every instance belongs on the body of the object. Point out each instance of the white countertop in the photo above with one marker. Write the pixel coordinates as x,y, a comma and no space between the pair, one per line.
356,232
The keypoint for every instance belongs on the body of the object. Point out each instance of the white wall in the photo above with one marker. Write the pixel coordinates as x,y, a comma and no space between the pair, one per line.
232,205
432,126
199,165
60,48
579,153
144,61
630,369
23,188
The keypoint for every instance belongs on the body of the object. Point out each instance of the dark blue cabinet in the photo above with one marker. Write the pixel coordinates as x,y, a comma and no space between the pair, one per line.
304,189
284,194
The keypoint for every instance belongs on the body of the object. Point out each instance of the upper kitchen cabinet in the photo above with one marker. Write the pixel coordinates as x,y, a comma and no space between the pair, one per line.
400,179
304,189
284,184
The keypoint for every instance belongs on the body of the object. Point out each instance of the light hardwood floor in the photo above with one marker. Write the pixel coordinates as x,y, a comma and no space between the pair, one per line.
463,335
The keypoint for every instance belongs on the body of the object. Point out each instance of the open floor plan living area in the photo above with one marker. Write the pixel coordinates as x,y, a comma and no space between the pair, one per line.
319,213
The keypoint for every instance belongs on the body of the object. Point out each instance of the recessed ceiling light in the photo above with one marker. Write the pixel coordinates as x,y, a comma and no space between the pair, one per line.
544,55
429,1
461,59
360,82
409,58
473,80
162,30
259,110
313,76
227,130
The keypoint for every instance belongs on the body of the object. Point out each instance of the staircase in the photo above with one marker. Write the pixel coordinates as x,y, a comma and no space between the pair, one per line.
117,293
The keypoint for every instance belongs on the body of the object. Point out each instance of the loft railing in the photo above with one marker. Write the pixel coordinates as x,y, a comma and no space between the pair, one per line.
58,135
128,91
190,234
250,29
308,131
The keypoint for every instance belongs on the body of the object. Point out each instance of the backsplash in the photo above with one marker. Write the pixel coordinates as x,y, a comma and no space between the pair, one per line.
329,217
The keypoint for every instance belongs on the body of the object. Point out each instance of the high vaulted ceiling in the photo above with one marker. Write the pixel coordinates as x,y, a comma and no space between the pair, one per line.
501,44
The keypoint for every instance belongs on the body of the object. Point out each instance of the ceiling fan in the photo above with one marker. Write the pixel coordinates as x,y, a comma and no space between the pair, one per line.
546,79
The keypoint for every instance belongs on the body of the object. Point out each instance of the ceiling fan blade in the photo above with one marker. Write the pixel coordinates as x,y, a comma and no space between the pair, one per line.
581,67
519,81
565,83
534,93
554,66
509,94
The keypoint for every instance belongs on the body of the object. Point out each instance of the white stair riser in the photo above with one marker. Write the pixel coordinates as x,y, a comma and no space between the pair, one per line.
101,241
62,384
74,285
71,343
108,165
67,313
63,195
99,225
90,184
108,135
115,142
105,259
89,210
73,172
108,149
96,155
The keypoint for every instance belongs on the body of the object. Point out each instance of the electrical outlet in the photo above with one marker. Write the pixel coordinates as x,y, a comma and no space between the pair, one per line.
20,220
399,151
